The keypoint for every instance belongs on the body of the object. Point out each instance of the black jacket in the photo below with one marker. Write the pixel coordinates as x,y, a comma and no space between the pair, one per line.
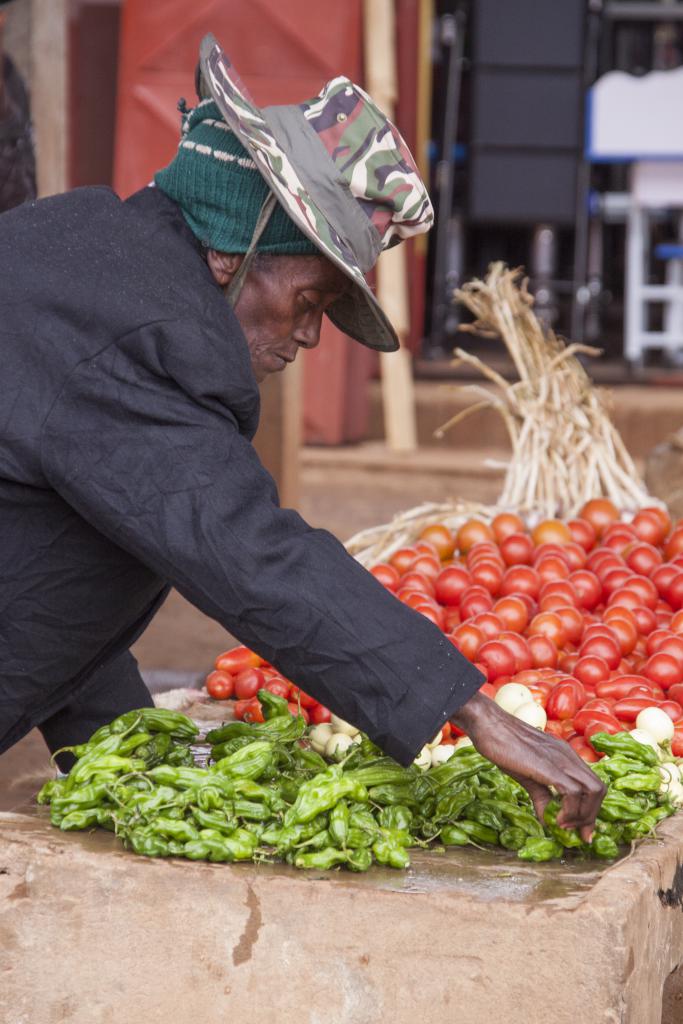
127,406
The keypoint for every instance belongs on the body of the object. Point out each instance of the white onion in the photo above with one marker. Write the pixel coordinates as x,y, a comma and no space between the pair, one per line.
319,737
511,695
436,741
424,759
339,725
442,753
531,713
671,783
463,741
338,743
657,723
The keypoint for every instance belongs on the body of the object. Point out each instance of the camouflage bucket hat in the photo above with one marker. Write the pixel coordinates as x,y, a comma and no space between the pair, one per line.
341,171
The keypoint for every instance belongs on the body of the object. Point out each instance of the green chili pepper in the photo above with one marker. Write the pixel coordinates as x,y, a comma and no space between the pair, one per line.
86,796
396,816
613,767
391,793
52,788
272,705
184,831
604,846
320,841
623,743
280,729
361,817
148,845
513,838
390,853
565,837
647,823
639,782
221,750
180,755
537,849
80,819
451,835
619,807
248,762
457,768
321,793
477,832
252,810
155,749
321,860
180,778
360,838
485,814
339,823
358,859
382,772
219,820
308,759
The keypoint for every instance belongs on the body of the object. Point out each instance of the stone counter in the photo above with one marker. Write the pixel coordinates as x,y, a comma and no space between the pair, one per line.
90,933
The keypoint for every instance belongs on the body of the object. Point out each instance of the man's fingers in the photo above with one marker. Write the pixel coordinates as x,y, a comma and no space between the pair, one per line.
540,798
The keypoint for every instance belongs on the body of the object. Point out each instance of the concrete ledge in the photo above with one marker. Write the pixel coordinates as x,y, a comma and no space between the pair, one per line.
90,933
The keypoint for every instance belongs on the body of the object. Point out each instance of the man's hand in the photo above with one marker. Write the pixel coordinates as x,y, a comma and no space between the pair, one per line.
536,761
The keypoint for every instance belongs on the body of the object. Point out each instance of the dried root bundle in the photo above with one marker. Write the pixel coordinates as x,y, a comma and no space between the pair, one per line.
565,448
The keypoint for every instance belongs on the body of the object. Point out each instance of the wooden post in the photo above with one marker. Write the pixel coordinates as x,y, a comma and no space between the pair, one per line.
397,379
49,92
278,438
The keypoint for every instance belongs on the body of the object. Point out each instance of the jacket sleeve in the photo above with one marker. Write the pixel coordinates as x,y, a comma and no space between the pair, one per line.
147,451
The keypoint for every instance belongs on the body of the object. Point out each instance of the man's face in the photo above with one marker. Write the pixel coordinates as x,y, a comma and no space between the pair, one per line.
281,306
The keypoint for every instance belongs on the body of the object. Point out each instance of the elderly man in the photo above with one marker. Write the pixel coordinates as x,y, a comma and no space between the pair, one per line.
129,400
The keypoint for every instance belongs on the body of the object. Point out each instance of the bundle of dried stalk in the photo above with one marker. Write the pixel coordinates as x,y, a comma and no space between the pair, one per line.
565,448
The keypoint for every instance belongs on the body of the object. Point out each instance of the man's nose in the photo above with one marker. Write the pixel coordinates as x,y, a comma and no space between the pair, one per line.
308,335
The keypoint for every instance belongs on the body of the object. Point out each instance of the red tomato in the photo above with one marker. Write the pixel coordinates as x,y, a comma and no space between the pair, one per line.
253,712
646,620
626,634
450,584
475,604
575,556
489,574
643,559
489,624
600,513
498,658
441,537
248,683
672,645
320,714
402,558
591,670
587,587
603,723
425,547
468,639
583,749
664,670
520,650
551,567
431,613
560,588
550,625
630,707
565,700
648,527
296,695
487,551
620,686
417,581
677,744
583,533
521,579
506,524
279,687
236,660
663,575
673,709
219,685
473,532
554,727
517,549
674,545
388,575
295,710
428,565
572,621
674,591
543,651
488,689
603,647
513,613
676,624
595,713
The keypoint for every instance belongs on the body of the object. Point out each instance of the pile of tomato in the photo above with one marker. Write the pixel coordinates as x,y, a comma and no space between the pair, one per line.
587,613
241,673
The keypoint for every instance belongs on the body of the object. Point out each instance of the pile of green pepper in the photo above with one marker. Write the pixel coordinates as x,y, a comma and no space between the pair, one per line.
266,795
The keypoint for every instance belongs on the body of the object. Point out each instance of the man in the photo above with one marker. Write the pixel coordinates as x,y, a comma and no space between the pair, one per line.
129,403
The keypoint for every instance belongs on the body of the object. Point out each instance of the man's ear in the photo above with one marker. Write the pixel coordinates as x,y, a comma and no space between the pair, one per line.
223,265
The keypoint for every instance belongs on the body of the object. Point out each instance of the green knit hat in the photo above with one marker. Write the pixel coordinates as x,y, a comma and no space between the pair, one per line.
220,190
